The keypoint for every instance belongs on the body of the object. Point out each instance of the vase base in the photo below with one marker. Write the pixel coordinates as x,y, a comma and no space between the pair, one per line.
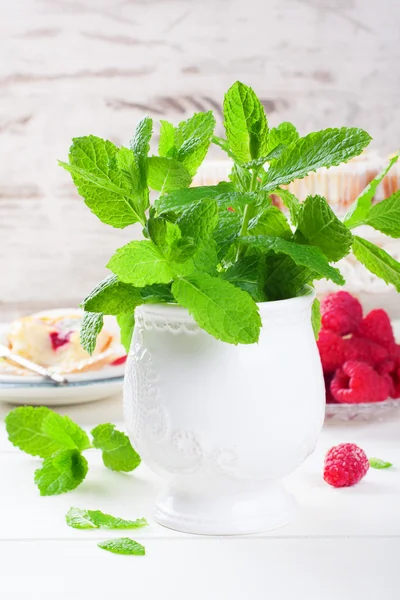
233,514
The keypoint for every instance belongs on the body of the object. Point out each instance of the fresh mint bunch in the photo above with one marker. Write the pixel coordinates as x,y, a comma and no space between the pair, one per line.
219,250
41,432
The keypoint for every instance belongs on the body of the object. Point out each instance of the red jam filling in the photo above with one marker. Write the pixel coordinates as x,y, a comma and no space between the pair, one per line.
59,339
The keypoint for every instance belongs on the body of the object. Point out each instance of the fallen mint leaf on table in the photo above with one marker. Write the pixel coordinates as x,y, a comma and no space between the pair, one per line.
42,432
79,518
118,453
60,473
377,463
123,546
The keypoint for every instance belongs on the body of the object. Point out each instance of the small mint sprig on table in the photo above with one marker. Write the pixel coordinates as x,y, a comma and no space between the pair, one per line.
79,518
378,463
219,250
41,432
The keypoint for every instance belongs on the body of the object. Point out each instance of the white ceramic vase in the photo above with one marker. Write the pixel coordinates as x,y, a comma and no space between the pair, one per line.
223,424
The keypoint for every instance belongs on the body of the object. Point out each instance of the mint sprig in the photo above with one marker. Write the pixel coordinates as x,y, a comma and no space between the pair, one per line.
79,518
39,431
377,463
217,250
123,546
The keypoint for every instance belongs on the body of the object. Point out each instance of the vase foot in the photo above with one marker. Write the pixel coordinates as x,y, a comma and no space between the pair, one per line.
230,514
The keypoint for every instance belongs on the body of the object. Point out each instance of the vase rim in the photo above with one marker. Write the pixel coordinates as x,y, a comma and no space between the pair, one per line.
297,303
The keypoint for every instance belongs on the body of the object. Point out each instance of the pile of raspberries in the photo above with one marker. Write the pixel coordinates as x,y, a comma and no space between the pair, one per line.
360,357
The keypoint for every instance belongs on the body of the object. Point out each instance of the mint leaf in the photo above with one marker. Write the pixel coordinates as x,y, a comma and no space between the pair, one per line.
60,473
226,231
377,463
221,309
118,453
377,261
123,546
156,293
385,216
283,135
199,219
248,274
270,221
320,227
92,324
79,518
179,200
126,324
166,144
112,297
245,123
224,145
358,211
291,203
140,145
326,148
284,278
316,317
305,256
95,172
166,174
164,234
41,432
192,139
240,177
24,428
65,432
140,263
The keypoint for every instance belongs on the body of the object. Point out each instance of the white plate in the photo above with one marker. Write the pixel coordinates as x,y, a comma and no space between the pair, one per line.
82,387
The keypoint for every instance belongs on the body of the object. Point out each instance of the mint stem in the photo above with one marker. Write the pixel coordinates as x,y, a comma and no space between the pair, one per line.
247,214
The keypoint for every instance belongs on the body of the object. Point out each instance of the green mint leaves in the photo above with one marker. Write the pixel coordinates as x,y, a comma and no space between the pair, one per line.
92,324
385,216
117,452
79,518
377,261
217,250
302,255
360,208
61,473
326,148
60,442
112,297
42,432
141,263
245,123
221,309
320,227
105,185
377,463
123,546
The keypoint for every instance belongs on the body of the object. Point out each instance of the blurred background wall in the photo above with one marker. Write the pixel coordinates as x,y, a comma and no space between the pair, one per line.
74,67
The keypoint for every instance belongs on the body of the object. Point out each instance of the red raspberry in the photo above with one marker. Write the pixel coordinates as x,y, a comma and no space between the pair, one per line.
345,465
331,350
364,350
376,326
392,367
341,313
328,394
358,382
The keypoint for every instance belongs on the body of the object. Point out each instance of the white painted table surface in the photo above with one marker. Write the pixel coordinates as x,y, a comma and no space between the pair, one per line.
345,544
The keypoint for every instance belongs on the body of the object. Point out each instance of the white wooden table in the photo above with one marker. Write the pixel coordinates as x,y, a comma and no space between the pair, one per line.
345,544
